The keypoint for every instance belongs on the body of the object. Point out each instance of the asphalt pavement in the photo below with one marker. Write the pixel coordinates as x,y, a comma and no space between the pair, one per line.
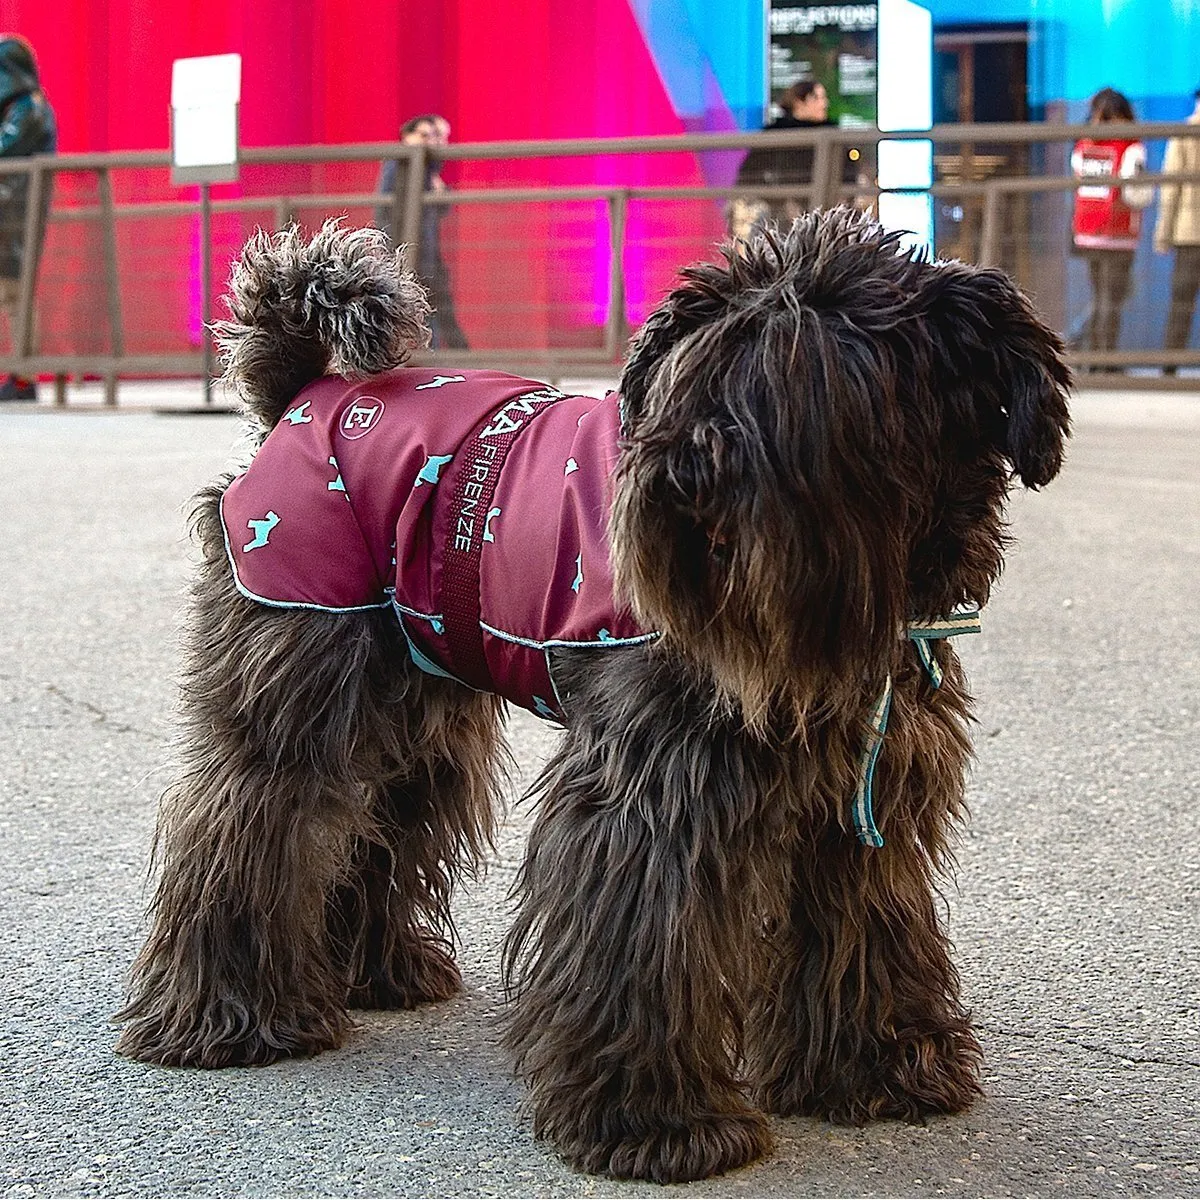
1074,909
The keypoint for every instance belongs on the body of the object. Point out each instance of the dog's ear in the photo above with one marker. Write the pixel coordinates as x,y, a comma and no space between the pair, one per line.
1012,363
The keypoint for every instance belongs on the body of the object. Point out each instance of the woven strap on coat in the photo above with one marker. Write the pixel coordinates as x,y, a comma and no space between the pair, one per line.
471,501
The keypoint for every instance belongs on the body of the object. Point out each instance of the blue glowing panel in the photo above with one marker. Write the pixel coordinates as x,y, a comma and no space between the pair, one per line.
906,102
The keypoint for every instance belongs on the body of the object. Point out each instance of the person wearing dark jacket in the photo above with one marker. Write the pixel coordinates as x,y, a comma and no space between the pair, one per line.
805,106
27,127
432,130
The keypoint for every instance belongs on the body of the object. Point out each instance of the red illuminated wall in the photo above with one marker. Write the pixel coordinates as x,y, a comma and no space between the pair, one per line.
349,70
330,71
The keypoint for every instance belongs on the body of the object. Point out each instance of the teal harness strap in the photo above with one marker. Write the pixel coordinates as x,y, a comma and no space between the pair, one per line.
920,633
864,816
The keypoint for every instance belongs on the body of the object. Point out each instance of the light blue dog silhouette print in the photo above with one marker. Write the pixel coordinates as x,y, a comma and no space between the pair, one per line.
262,527
297,415
337,485
432,470
438,380
488,535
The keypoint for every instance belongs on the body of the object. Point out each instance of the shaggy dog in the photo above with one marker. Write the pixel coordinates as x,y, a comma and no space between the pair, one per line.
728,907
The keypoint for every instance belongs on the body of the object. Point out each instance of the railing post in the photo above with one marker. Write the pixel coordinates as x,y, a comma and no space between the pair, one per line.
108,233
822,173
206,288
34,225
283,213
414,192
989,235
616,329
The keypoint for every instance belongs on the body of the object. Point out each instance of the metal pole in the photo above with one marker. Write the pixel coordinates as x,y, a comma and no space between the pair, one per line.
989,236
616,328
822,174
206,288
108,233
414,192
34,226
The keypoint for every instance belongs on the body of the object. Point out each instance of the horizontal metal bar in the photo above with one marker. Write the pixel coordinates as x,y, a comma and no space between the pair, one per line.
184,208
467,358
184,365
734,140
1031,133
1147,356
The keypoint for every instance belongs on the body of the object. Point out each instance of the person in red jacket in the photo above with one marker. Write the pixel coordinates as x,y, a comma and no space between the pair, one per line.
1107,219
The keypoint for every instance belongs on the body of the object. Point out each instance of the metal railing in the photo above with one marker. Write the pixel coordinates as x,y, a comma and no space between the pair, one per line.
109,301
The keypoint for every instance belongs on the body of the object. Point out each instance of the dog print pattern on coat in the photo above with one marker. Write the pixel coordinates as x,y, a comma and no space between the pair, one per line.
346,506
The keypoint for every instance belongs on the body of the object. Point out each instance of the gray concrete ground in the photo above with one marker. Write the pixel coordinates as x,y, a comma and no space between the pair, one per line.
1074,911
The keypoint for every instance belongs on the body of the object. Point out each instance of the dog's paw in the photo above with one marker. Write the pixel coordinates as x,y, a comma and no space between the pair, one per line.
907,1080
423,973
223,1037
677,1154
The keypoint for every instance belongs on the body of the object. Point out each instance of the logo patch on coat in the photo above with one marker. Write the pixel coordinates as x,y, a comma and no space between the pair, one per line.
360,417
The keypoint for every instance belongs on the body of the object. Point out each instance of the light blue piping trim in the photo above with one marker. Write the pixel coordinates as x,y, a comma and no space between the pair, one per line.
272,603
562,708
640,639
420,616
559,643
427,665
420,660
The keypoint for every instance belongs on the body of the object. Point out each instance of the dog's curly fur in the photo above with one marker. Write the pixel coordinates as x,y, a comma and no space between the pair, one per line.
820,435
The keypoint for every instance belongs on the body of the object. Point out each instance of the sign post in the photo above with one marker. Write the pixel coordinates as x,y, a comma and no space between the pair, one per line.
205,94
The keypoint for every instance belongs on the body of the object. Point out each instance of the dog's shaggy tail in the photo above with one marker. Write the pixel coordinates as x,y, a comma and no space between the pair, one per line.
340,303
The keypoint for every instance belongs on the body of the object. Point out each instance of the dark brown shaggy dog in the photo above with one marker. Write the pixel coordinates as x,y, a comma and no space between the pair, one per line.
820,435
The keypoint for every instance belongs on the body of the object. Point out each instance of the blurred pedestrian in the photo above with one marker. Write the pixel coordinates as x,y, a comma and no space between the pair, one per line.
27,127
805,106
1107,219
1178,229
429,129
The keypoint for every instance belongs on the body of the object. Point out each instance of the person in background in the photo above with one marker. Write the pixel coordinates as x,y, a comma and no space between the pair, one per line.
27,127
1178,229
805,106
1107,219
429,129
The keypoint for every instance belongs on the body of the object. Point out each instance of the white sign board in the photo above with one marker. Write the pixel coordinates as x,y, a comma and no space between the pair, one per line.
205,93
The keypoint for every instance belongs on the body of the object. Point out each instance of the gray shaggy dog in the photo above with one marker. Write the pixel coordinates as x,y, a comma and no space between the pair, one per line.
728,906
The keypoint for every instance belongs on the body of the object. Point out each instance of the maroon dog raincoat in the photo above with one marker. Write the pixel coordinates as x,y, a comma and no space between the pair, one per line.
475,503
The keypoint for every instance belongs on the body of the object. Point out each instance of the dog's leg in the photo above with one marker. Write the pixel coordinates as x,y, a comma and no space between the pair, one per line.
865,1020
391,919
286,720
636,941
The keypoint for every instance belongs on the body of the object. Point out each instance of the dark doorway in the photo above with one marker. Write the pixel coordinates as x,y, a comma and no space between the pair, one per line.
980,75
